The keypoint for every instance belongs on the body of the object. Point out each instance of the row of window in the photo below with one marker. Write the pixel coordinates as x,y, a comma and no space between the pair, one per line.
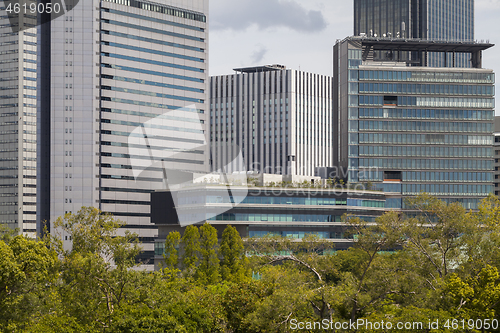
141,103
275,217
422,164
151,40
152,19
157,31
425,89
147,148
145,71
153,94
151,115
150,125
423,176
400,151
420,126
310,201
440,102
166,138
169,10
464,77
297,234
158,52
140,157
448,189
152,62
420,139
421,113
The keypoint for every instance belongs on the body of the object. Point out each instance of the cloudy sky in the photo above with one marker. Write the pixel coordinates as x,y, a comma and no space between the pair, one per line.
301,33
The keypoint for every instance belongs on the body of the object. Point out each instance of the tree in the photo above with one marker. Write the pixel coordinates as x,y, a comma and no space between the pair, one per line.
96,271
171,245
191,246
234,262
28,268
475,298
208,269
435,234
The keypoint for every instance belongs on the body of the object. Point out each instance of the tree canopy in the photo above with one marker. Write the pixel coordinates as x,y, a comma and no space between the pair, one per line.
435,261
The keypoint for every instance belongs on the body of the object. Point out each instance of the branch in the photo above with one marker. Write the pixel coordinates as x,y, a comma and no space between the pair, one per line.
293,258
284,321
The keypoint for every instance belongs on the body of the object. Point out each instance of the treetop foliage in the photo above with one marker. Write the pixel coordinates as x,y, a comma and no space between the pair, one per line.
436,261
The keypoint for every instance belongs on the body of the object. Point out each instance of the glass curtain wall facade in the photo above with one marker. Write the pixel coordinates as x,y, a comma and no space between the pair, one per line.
416,129
117,68
497,156
280,119
450,20
288,212
18,91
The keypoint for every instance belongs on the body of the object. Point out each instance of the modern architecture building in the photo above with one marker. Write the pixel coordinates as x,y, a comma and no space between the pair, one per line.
496,134
279,119
444,20
123,86
415,129
18,128
291,211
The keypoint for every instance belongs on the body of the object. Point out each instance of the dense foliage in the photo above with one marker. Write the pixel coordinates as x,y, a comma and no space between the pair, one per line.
436,262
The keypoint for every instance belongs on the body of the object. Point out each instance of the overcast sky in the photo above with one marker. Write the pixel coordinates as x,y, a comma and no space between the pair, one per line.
301,33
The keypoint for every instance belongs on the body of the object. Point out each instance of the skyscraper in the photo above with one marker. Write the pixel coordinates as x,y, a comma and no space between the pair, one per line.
18,67
280,118
415,129
450,20
118,73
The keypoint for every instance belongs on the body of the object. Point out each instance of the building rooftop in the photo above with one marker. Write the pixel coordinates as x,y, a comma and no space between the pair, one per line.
421,46
413,44
257,69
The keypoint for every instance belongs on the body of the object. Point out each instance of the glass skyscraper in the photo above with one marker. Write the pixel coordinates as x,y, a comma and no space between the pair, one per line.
449,20
415,129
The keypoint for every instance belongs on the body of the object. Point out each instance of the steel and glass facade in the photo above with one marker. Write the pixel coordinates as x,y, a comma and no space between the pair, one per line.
120,71
280,119
449,20
18,127
416,129
287,212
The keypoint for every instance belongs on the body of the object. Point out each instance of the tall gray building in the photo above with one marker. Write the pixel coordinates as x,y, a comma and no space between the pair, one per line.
496,134
416,129
449,20
281,120
127,81
18,75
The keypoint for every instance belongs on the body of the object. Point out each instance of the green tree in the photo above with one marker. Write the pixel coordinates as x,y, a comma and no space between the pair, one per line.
171,245
234,266
208,269
28,268
191,247
96,271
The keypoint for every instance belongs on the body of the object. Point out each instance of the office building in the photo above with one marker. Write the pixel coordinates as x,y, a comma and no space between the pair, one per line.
415,129
444,20
496,134
18,75
291,211
279,119
123,98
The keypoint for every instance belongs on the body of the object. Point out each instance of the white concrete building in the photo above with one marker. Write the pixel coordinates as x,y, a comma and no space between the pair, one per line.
281,119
